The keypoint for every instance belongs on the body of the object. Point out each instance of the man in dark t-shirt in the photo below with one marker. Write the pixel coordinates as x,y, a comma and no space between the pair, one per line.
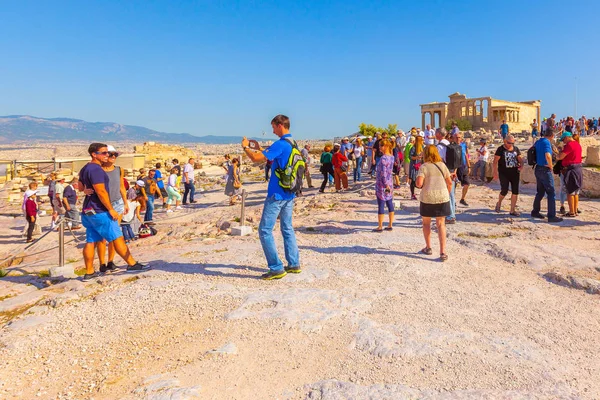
98,216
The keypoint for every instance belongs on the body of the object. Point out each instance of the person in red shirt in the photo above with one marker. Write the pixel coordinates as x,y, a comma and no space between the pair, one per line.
572,170
340,168
31,213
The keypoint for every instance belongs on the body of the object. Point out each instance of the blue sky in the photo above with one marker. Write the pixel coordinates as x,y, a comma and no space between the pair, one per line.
226,68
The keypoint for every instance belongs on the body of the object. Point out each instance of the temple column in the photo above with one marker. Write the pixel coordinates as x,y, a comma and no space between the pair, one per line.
422,120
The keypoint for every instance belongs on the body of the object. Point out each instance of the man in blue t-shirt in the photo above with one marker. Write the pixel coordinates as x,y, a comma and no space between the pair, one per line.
98,216
504,130
278,203
462,173
544,177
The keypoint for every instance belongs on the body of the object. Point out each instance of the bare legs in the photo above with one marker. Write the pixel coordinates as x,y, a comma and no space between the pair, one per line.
573,201
513,202
441,228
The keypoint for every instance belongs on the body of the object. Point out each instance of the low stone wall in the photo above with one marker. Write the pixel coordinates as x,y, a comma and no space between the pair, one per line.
591,180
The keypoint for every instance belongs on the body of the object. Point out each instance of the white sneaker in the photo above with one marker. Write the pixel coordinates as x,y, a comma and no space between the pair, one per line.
179,208
169,211
52,225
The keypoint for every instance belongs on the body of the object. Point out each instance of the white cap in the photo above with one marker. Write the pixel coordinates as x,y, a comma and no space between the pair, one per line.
110,148
140,183
30,193
345,138
336,144
422,134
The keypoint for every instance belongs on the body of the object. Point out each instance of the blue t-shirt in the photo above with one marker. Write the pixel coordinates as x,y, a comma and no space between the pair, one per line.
504,129
345,148
158,174
92,174
70,195
463,146
279,152
542,147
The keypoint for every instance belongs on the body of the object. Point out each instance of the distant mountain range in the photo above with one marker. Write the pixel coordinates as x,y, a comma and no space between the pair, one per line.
18,128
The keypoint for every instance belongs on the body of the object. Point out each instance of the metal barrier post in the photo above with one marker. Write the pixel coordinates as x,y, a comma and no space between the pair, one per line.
61,243
243,216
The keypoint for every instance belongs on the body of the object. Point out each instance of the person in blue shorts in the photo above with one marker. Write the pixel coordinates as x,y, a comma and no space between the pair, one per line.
98,216
279,203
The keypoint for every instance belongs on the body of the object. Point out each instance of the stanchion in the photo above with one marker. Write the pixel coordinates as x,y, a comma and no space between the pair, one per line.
61,243
243,216
242,230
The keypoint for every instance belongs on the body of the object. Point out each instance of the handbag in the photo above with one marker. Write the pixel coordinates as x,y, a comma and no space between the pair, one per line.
344,166
237,184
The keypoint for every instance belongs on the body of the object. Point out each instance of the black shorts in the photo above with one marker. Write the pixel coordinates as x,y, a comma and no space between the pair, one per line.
509,177
462,173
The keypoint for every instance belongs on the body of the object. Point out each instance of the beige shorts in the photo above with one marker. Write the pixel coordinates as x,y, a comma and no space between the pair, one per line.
58,208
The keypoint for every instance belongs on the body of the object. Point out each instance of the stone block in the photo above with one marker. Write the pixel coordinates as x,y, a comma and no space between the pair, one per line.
65,272
241,230
593,155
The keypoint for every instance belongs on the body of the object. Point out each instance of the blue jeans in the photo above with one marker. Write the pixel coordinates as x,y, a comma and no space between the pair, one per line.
357,170
271,210
453,201
127,232
545,186
189,188
149,209
562,193
479,164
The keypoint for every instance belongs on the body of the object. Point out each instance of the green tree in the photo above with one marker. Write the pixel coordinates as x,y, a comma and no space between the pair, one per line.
463,124
370,129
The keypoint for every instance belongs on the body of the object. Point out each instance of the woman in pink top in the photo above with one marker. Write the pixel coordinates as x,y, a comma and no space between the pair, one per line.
572,170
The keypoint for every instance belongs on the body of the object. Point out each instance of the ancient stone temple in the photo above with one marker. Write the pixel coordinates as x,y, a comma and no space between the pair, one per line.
482,112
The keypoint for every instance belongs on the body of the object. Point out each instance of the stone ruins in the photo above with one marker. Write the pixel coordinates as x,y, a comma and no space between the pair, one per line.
482,112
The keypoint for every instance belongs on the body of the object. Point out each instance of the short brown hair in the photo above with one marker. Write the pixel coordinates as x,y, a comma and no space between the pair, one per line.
281,120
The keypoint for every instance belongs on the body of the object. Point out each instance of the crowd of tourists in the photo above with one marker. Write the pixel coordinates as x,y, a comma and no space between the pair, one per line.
432,161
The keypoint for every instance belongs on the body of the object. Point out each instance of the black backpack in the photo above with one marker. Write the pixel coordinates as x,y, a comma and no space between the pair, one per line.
453,156
531,156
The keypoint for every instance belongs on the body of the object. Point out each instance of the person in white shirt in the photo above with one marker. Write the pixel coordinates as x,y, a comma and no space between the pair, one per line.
306,155
429,135
484,154
173,191
188,181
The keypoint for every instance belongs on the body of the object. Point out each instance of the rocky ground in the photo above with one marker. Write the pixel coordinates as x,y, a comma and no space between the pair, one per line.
511,315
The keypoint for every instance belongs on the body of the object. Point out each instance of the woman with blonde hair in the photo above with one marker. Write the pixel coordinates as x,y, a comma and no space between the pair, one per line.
416,160
384,185
434,180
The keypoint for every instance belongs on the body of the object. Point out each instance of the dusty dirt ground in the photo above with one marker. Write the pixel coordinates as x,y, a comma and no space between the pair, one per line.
369,317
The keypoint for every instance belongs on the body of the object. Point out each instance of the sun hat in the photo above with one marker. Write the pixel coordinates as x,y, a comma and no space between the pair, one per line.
141,183
345,138
30,193
336,144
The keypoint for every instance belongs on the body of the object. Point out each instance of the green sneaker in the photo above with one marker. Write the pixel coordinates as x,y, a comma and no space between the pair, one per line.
293,270
273,275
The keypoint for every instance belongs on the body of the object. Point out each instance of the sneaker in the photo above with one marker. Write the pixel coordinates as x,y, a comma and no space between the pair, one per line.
413,197
138,267
193,202
89,277
169,211
179,208
555,219
464,203
52,226
562,210
537,215
293,270
273,275
450,221
104,268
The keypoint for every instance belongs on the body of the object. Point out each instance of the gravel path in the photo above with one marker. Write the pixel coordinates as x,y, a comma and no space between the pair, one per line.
368,318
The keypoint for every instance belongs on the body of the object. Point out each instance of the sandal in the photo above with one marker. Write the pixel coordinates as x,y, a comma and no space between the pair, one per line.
497,209
388,228
377,230
427,251
515,214
570,215
443,257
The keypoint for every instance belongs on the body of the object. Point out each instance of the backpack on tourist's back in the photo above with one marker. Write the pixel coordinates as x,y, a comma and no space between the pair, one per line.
531,156
290,177
453,156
